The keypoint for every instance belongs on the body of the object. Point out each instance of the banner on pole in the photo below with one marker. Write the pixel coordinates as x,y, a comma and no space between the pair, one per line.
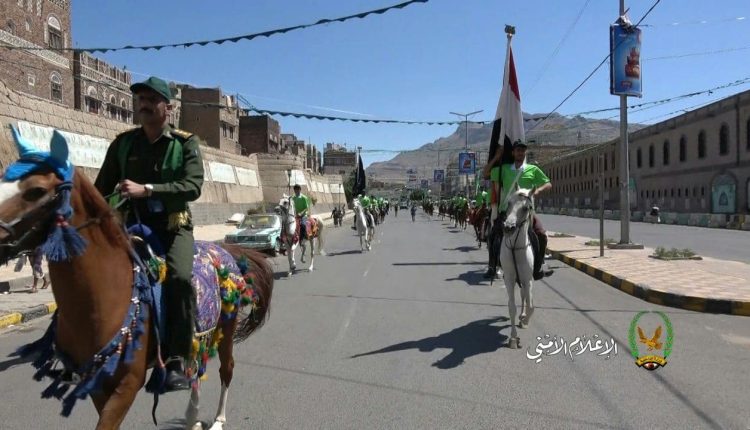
467,163
438,175
625,61
425,184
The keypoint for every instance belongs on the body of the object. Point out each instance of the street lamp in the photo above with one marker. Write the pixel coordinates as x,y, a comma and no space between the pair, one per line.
289,181
466,126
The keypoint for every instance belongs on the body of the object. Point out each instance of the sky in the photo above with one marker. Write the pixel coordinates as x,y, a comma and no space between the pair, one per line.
421,62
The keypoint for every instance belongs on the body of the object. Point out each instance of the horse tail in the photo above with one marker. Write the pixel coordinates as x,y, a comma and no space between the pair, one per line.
262,284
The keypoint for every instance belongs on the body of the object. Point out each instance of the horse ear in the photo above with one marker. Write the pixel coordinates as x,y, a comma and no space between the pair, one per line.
22,144
59,148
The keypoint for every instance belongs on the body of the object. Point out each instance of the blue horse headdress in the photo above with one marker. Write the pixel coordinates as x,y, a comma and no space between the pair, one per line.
63,241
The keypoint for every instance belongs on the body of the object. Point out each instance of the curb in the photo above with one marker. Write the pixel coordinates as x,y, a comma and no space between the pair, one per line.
643,292
26,315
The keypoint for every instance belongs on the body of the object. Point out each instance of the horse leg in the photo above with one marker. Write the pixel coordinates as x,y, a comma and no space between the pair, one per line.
116,398
191,415
226,372
312,255
290,255
510,286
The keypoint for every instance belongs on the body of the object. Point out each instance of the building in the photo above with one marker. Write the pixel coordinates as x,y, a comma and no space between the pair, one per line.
211,115
260,134
697,162
338,161
44,70
101,89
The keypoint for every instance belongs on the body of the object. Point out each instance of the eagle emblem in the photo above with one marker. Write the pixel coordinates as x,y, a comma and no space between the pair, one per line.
652,343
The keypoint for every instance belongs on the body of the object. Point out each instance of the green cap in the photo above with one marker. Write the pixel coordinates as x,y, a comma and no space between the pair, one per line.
156,84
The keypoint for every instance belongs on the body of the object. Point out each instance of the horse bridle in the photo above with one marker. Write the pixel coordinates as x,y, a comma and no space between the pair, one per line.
519,227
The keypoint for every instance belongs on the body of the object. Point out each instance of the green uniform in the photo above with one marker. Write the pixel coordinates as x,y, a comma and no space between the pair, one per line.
302,205
484,198
174,166
366,203
531,177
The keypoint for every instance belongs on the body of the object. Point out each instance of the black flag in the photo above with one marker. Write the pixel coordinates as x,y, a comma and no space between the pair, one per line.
360,181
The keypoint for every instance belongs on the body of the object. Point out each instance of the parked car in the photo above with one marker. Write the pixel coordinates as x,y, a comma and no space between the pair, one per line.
259,232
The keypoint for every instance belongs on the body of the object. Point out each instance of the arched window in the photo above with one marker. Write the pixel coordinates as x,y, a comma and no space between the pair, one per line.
638,158
651,155
54,33
683,148
112,107
724,140
665,153
56,89
10,27
124,114
702,144
91,101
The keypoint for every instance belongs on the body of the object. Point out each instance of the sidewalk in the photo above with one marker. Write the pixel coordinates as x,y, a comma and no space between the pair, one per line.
708,285
17,305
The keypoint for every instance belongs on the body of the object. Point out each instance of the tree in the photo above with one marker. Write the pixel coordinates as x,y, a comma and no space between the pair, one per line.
417,195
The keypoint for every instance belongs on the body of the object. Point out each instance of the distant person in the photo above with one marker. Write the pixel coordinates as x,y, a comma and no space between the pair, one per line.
36,258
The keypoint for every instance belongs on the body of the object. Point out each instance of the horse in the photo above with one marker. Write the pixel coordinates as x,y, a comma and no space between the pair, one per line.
478,218
364,232
461,214
517,259
290,226
106,328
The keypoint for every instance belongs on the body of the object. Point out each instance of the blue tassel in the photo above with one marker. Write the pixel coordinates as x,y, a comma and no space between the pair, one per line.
63,242
243,263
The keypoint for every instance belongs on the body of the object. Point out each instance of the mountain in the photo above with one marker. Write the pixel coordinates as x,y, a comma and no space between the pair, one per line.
557,134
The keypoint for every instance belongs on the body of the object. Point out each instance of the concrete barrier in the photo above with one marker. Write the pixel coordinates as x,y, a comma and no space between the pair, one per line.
717,221
588,213
636,216
575,212
563,211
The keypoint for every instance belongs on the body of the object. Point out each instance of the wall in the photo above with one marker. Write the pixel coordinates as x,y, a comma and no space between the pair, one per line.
199,119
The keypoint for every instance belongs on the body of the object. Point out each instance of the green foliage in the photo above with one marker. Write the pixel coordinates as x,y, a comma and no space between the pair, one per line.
417,195
674,252
596,242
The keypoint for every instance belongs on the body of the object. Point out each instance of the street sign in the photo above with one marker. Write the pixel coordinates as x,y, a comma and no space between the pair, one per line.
425,184
438,175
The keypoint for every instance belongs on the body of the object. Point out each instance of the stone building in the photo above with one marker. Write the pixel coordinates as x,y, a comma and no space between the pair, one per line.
101,89
697,162
211,115
45,70
337,160
260,134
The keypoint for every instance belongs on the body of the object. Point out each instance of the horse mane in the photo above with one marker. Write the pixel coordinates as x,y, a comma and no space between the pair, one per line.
95,205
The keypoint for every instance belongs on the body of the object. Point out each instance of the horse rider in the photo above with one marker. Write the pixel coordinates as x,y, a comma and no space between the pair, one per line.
160,169
529,176
302,206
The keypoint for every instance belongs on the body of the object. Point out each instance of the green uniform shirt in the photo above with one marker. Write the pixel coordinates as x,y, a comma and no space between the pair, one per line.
531,177
145,164
365,202
301,204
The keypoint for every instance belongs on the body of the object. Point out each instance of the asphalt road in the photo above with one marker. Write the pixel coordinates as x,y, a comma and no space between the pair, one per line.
709,242
409,336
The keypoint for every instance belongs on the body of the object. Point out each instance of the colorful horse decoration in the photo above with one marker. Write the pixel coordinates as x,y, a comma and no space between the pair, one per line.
107,328
290,238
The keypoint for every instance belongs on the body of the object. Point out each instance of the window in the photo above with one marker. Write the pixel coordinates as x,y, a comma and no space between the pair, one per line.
702,144
683,148
10,27
666,153
605,162
671,193
639,158
724,140
703,191
28,24
55,36
31,79
125,114
231,132
651,156
91,101
612,160
112,108
56,87
223,129
679,192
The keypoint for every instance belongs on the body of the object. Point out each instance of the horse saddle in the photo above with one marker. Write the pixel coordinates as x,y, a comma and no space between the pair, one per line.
311,227
205,277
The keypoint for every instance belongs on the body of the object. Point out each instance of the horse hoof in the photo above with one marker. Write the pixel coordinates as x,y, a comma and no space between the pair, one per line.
514,343
197,426
522,324
218,425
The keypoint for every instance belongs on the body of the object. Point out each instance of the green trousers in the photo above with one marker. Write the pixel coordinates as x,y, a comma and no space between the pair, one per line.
178,294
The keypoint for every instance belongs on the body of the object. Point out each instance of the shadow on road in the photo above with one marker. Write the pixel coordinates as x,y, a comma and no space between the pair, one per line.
478,337
462,249
471,278
444,263
351,252
5,365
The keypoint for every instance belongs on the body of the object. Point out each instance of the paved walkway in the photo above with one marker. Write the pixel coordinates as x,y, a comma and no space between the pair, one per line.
18,305
708,285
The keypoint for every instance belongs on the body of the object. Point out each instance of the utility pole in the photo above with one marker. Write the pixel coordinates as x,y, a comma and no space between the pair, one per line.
624,170
600,165
466,126
440,185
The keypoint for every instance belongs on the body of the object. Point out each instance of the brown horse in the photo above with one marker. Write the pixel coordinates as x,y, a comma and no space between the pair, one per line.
477,218
95,287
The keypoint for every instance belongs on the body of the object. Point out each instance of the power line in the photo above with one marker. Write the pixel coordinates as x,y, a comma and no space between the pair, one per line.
594,71
234,39
696,54
557,48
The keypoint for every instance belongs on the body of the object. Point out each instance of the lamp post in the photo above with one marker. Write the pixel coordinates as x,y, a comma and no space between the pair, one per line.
466,127
289,181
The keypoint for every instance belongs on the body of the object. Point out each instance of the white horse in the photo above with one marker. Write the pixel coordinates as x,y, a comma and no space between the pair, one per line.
365,236
289,227
517,259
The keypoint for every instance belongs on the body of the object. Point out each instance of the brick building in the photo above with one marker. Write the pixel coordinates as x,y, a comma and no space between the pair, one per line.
101,89
337,160
697,162
43,73
260,134
212,116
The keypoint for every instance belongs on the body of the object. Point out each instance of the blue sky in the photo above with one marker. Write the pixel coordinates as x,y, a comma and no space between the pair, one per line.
421,62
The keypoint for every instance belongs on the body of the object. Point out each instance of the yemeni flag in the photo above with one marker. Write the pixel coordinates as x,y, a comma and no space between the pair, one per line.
508,124
360,181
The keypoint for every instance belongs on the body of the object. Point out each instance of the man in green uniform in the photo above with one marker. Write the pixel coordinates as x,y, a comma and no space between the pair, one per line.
160,169
302,206
526,176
